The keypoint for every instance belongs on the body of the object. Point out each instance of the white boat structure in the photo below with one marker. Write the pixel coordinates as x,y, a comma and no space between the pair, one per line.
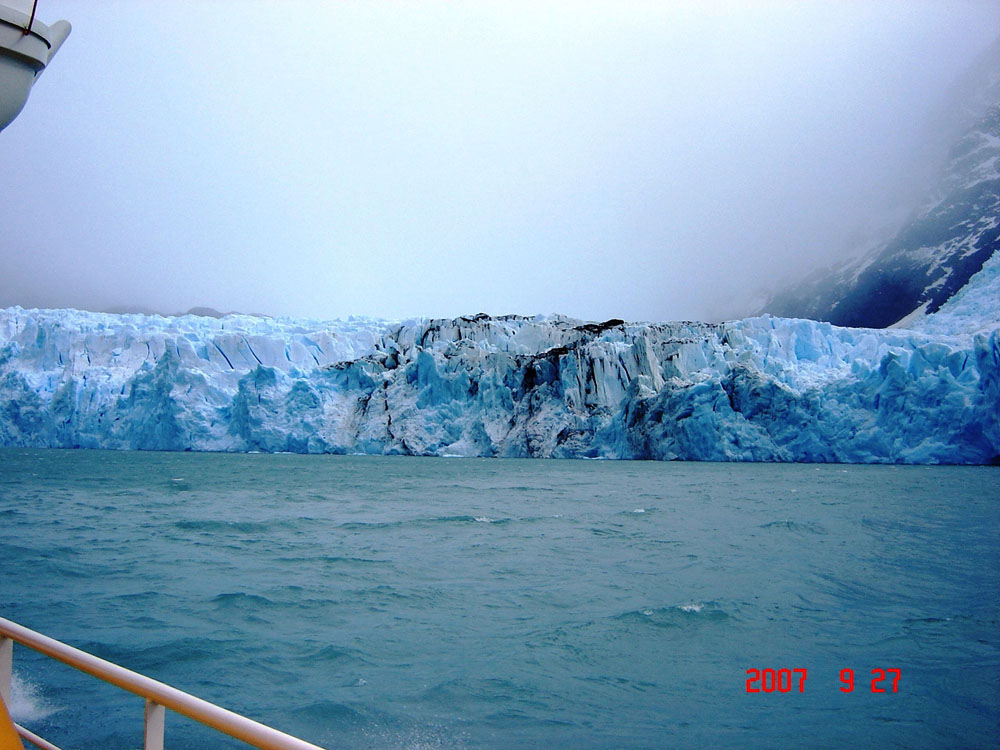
27,46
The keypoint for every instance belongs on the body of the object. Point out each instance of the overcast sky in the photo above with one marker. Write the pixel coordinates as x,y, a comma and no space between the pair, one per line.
649,161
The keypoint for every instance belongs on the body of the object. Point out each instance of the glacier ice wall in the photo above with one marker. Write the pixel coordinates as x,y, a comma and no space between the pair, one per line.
760,389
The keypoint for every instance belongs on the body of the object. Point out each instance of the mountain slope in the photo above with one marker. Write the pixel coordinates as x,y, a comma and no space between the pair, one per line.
940,248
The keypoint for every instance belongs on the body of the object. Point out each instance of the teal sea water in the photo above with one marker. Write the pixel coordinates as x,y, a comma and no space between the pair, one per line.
370,602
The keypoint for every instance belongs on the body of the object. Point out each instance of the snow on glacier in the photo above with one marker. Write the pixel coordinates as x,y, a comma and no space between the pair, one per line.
764,389
975,308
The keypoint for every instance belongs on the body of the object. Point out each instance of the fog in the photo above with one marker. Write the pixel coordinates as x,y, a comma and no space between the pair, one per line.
648,161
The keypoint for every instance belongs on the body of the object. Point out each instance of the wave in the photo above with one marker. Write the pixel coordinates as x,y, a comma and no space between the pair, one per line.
637,511
155,654
328,654
242,600
950,628
241,527
608,532
329,559
418,522
801,527
677,615
329,712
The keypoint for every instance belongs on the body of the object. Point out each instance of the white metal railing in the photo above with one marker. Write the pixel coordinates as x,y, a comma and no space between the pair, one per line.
158,695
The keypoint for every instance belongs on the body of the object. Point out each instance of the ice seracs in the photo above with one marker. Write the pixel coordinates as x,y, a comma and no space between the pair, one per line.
760,389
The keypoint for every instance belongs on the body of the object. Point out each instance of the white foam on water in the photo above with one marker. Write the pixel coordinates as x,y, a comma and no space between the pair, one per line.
692,607
26,701
423,738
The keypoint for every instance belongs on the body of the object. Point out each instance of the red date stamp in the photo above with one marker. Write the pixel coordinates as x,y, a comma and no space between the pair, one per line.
787,680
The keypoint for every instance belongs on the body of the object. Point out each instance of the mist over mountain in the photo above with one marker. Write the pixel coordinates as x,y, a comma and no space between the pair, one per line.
201,311
943,243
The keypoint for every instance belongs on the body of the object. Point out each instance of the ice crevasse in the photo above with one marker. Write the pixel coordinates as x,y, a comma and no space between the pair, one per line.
758,389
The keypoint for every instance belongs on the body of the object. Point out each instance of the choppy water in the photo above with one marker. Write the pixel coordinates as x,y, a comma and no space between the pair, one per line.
434,603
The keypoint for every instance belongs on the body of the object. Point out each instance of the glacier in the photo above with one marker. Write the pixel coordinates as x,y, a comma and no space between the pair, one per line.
758,389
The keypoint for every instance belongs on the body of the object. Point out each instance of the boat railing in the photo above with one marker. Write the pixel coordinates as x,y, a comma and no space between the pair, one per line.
158,695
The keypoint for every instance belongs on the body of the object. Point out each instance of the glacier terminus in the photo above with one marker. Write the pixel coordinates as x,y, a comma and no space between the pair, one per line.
758,389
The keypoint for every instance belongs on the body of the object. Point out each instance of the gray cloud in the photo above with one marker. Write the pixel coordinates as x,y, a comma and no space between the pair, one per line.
636,160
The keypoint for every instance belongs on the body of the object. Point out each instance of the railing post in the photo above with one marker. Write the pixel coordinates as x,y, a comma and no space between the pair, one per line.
6,667
153,735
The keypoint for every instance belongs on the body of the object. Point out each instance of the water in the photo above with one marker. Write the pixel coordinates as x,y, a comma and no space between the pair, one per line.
435,603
